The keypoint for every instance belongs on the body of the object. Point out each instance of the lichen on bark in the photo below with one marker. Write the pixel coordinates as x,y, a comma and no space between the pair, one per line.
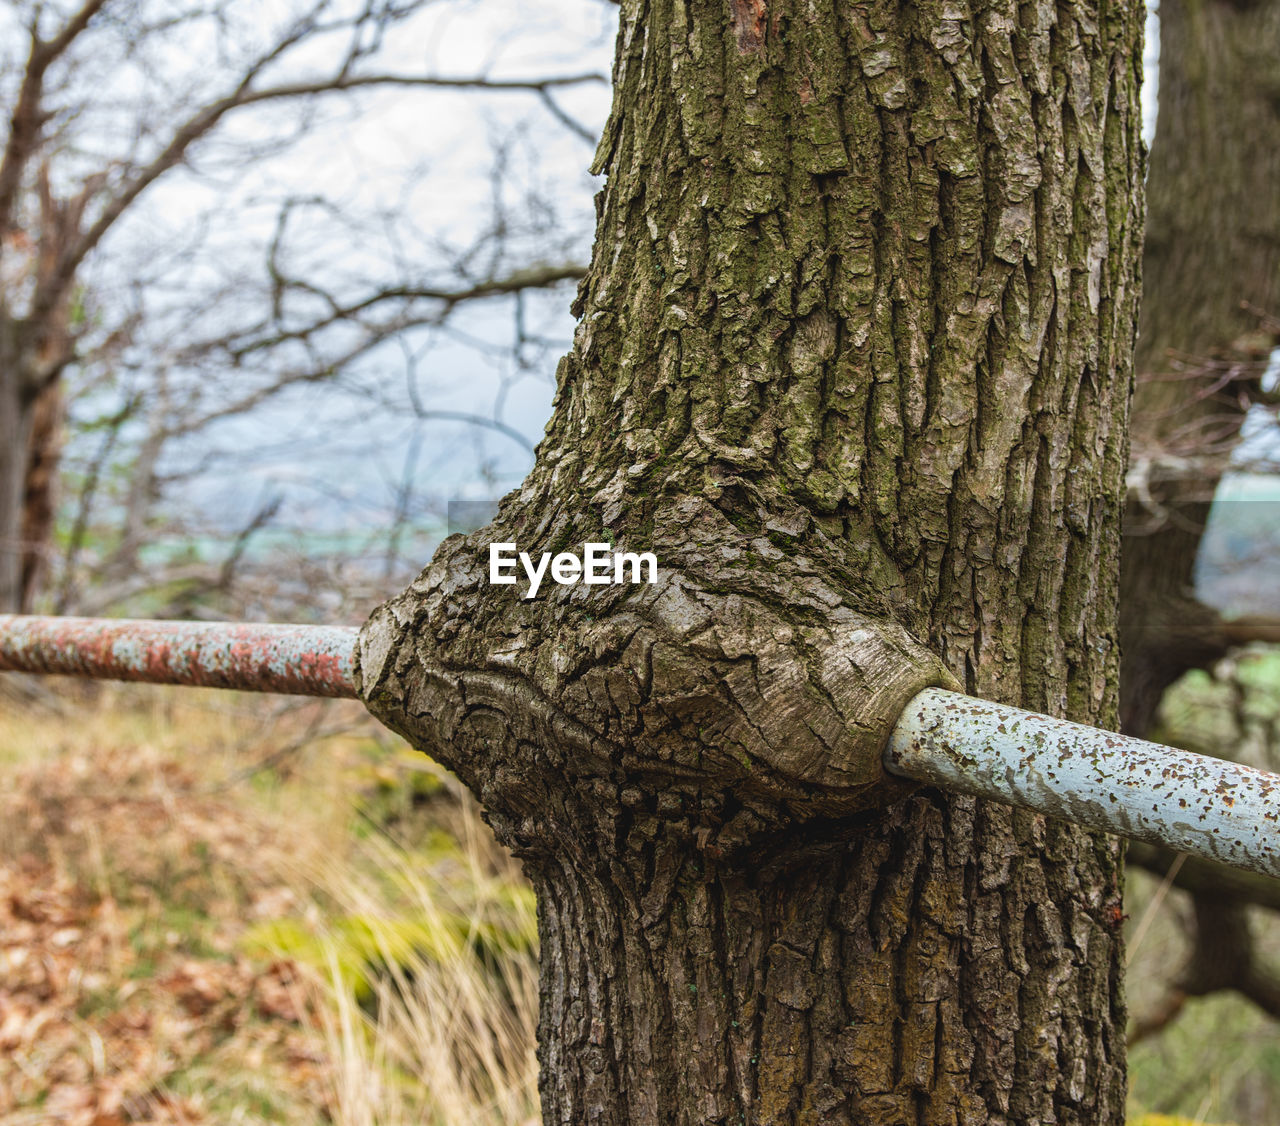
853,360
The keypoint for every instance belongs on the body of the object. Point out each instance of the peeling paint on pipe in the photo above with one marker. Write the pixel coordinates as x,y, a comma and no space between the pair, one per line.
294,660
1204,806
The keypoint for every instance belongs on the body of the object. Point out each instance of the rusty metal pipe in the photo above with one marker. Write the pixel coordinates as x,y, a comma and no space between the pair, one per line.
1204,806
295,660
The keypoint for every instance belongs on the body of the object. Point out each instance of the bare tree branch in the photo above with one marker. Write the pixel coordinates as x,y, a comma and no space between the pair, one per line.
208,117
570,123
96,120
266,512
1254,627
534,277
476,420
28,115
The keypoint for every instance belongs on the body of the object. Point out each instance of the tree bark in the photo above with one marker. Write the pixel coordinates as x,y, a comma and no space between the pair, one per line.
1211,264
854,361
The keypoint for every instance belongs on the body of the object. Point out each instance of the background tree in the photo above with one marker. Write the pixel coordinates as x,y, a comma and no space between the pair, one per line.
101,105
854,360
1211,270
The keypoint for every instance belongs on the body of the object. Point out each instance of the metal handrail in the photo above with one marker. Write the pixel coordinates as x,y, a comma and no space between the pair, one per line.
1200,805
1204,806
294,660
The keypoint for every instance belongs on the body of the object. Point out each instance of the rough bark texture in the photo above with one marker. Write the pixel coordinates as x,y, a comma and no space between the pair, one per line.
854,362
1210,265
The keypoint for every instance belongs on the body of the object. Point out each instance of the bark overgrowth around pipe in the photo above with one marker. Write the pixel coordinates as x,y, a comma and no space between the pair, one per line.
853,362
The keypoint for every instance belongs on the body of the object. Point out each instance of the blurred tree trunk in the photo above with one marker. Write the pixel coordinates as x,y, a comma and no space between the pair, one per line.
15,430
30,449
854,361
1211,266
34,351
1211,271
39,497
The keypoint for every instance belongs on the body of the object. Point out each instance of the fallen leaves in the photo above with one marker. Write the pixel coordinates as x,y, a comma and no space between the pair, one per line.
123,891
136,887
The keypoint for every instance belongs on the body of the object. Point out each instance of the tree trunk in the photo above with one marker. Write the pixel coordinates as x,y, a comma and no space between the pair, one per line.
40,491
34,350
30,449
854,363
15,431
1210,265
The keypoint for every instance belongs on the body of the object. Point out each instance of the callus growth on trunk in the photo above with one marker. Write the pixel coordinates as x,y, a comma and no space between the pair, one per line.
853,363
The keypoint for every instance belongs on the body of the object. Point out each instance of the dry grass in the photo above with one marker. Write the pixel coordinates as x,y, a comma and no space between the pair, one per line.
447,1025
188,935
230,909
